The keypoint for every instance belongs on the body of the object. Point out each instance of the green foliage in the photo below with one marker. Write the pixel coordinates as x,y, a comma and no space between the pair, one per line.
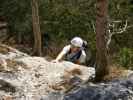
122,10
64,19
17,14
126,57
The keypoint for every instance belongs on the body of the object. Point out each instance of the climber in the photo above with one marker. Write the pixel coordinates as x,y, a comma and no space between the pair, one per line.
74,52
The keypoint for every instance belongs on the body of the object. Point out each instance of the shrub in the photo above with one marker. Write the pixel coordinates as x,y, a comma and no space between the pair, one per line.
126,57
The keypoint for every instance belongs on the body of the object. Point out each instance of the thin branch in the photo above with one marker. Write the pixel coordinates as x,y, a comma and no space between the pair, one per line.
119,31
129,26
93,25
124,29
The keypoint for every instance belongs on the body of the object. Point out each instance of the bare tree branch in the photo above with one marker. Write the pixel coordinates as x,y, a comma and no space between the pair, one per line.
114,30
124,29
93,25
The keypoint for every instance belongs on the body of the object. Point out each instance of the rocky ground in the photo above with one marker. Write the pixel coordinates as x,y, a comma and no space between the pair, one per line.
115,90
23,77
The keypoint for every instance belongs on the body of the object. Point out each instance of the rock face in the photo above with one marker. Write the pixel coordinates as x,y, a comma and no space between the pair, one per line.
115,90
34,78
23,77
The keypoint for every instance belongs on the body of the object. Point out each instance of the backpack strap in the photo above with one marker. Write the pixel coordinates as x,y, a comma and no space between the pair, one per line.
76,56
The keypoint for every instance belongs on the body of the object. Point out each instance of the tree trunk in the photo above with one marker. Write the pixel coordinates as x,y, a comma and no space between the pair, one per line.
36,28
101,29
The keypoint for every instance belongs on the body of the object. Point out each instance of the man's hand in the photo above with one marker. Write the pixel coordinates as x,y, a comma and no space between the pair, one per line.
55,61
77,62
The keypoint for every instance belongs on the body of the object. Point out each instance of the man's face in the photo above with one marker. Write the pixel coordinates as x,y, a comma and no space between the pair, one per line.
74,49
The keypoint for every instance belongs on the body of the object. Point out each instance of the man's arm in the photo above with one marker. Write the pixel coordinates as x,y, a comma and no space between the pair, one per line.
62,53
60,56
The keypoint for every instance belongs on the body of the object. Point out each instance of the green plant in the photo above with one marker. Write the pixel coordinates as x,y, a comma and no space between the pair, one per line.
126,57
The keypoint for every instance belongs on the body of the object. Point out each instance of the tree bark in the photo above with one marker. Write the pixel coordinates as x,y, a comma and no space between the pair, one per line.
36,28
101,29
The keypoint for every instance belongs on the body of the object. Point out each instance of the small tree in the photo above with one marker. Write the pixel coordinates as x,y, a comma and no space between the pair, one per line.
101,29
36,28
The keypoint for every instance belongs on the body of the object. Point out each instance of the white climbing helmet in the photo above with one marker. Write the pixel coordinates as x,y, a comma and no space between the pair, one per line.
77,42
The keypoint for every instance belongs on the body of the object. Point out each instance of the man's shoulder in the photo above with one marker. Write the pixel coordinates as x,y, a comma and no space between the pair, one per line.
66,48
